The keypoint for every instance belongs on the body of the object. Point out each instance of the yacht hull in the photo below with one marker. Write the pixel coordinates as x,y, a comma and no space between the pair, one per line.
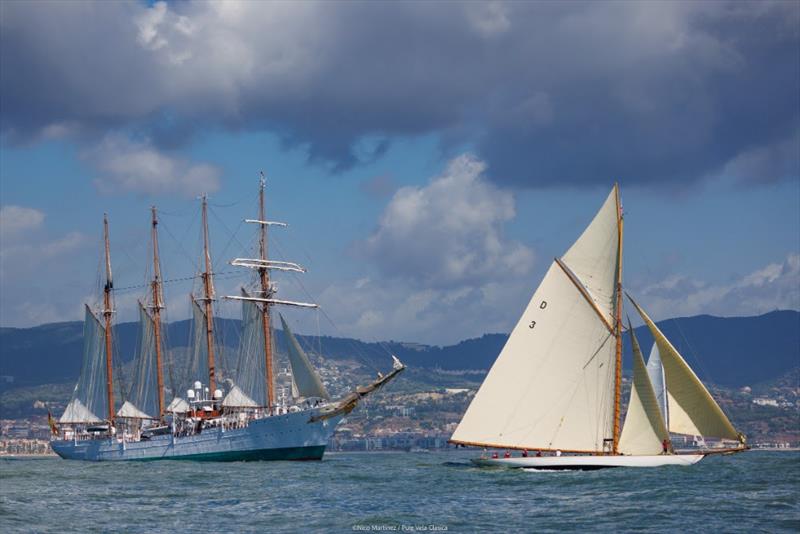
291,436
589,462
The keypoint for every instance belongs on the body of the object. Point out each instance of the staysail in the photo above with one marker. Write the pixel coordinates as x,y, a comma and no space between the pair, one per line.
552,386
656,373
305,380
89,397
644,430
692,410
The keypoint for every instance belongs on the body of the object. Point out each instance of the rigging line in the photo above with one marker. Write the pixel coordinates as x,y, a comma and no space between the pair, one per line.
192,260
232,235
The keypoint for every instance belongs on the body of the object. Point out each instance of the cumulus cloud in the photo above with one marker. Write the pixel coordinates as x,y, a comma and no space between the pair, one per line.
450,232
775,286
128,166
547,92
27,254
16,220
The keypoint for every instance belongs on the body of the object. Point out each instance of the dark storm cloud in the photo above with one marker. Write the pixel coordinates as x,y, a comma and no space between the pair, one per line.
548,93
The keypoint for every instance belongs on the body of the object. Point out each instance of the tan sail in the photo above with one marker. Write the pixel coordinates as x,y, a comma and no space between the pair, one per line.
552,386
644,430
692,410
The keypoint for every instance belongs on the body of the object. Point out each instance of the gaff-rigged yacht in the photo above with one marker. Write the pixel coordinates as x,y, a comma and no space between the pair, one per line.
554,391
238,418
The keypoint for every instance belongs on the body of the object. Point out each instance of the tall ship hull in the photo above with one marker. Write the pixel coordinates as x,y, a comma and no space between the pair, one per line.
292,436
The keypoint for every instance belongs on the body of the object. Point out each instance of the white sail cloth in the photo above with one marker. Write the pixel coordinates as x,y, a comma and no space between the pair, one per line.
130,411
552,386
305,380
644,430
143,392
178,405
236,398
656,373
90,396
692,410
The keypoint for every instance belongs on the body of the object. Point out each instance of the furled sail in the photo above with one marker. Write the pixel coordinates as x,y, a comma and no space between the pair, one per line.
692,410
144,387
178,405
656,373
552,386
130,411
644,430
305,380
250,387
237,399
89,397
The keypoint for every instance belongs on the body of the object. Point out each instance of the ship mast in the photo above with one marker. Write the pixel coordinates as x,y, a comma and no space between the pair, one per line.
263,275
107,313
618,328
157,307
208,291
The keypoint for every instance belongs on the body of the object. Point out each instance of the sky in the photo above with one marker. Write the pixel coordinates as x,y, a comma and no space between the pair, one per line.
431,158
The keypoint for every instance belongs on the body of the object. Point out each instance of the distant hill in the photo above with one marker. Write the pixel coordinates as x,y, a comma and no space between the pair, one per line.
731,351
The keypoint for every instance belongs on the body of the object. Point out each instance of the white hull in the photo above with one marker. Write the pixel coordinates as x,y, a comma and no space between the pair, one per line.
589,462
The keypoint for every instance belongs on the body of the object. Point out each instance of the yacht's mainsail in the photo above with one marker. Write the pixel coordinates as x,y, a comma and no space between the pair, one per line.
305,380
656,373
552,386
89,400
692,410
644,431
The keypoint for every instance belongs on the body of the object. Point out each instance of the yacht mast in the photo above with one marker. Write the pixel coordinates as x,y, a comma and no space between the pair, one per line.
263,275
618,327
157,307
107,312
208,290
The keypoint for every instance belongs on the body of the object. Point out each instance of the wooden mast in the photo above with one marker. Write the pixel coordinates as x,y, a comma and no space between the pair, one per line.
157,307
618,327
263,275
208,289
107,312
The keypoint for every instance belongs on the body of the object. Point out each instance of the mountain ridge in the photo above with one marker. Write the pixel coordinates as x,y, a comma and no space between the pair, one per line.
720,349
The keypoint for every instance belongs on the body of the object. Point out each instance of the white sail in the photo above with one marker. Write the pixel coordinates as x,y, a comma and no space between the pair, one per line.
250,373
76,412
90,396
305,380
178,405
593,257
692,410
130,411
236,398
552,384
656,373
144,386
644,430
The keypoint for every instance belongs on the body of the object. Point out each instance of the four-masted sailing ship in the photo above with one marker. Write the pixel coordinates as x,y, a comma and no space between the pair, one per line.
554,391
238,418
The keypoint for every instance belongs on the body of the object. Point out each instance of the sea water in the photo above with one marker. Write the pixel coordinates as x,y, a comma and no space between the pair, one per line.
398,492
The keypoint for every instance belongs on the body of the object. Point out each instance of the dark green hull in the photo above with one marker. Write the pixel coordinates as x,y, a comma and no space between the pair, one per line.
289,453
